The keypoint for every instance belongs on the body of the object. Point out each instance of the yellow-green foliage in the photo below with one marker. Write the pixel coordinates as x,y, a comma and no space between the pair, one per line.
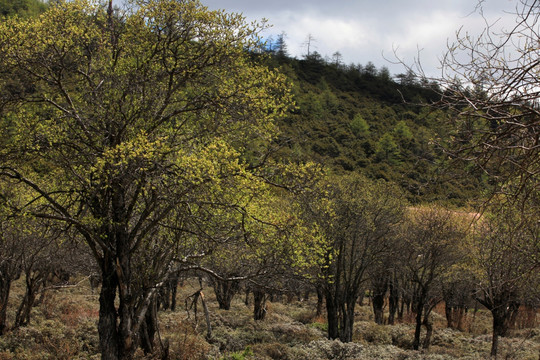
166,103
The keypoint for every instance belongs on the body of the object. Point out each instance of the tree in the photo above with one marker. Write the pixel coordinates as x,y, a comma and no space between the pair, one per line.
310,39
370,69
387,148
497,122
337,58
135,128
408,79
359,126
28,246
10,254
384,74
433,238
505,254
356,219
281,46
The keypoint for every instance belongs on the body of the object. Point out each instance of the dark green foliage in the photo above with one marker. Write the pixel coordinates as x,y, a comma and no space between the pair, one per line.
356,118
22,8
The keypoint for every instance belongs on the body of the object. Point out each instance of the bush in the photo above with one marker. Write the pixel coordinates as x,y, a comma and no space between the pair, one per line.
402,336
239,355
373,333
231,340
47,340
294,333
275,351
303,316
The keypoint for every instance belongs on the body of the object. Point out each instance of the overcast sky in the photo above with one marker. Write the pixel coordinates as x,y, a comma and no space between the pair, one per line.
370,30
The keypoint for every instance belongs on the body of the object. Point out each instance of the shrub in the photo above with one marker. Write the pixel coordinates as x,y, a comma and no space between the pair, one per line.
303,316
275,351
293,333
240,355
373,333
402,336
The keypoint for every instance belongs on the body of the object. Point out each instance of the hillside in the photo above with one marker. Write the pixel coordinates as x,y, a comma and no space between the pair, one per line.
358,118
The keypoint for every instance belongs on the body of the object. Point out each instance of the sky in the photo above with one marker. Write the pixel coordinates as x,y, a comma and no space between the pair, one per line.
380,31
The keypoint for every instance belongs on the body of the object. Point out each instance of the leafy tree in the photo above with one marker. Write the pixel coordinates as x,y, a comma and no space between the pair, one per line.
281,46
355,219
359,126
384,74
402,131
433,237
409,78
387,148
135,129
337,58
28,246
505,255
370,69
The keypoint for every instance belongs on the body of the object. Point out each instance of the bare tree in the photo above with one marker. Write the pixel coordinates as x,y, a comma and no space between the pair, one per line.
490,83
308,44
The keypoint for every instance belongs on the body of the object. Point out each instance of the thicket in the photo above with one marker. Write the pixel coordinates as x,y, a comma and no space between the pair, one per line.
158,146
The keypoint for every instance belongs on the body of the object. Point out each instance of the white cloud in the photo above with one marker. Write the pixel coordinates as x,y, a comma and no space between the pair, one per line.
363,31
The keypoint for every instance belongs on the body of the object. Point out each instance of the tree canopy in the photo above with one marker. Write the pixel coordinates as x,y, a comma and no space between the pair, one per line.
136,128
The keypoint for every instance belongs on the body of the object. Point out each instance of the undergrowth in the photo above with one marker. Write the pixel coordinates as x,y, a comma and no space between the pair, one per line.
64,326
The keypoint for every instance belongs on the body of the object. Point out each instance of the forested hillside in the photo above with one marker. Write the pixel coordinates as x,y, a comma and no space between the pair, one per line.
363,119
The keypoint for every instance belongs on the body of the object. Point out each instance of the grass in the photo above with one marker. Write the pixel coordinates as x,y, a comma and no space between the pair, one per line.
64,327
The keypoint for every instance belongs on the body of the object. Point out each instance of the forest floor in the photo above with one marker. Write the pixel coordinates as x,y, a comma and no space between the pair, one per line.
64,327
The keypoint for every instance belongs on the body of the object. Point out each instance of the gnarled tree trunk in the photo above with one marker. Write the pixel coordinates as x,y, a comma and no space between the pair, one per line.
259,304
225,291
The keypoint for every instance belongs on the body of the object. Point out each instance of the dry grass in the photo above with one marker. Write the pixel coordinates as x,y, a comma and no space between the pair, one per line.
64,327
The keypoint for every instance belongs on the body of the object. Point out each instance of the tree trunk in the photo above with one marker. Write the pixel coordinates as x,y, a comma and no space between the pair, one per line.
393,302
246,297
500,326
207,317
460,315
5,287
320,301
225,291
259,305
127,328
418,329
401,310
107,323
513,310
148,328
378,307
475,311
164,297
174,289
429,330
497,330
454,316
332,317
347,321
34,280
449,313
